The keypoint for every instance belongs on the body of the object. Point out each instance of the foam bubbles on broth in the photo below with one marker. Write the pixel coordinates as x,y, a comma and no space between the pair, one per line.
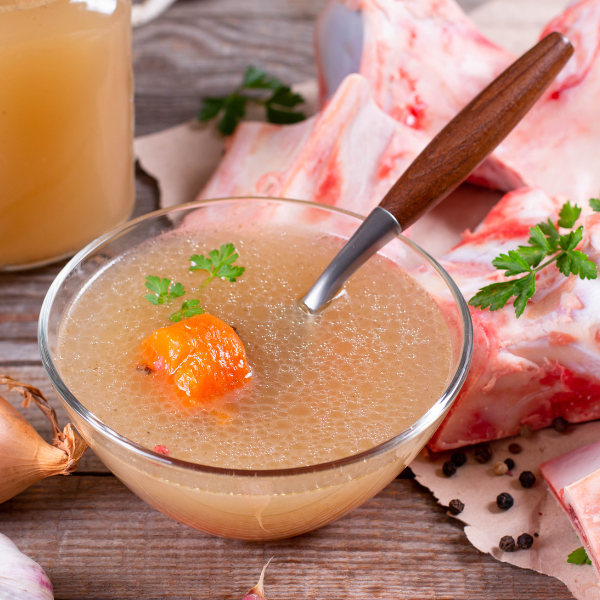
374,362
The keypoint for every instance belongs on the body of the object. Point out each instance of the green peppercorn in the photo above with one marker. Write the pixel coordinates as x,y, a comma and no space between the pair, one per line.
507,543
449,468
525,431
504,501
459,459
525,541
527,479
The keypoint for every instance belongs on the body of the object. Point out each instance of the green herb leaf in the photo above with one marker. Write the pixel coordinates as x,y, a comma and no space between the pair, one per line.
211,107
532,255
188,309
495,295
576,263
524,290
570,240
219,263
550,231
255,78
284,96
568,215
538,239
235,109
545,242
283,117
163,291
579,557
278,104
513,263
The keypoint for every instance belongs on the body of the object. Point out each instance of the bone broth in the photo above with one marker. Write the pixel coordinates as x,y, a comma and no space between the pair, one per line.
66,127
320,388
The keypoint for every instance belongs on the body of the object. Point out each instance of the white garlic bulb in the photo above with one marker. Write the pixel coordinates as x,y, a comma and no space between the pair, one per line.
21,578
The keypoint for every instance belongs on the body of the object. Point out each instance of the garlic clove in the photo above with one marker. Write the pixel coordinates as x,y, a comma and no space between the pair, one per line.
21,578
257,592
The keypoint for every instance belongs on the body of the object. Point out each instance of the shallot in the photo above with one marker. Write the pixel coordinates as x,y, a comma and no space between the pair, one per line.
258,592
21,578
26,457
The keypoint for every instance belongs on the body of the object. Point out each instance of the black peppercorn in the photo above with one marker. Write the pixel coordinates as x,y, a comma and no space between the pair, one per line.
525,541
510,463
515,449
504,501
527,479
507,543
482,454
459,459
560,424
449,468
456,507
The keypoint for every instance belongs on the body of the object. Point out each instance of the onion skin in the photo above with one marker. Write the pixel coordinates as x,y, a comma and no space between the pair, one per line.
257,592
21,578
25,457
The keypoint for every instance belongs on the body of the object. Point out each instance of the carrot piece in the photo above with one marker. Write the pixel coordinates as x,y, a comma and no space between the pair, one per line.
202,358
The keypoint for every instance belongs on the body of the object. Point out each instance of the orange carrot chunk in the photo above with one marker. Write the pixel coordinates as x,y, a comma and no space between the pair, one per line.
201,357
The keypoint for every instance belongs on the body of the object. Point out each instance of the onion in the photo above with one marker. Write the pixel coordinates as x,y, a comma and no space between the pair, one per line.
26,457
258,592
20,577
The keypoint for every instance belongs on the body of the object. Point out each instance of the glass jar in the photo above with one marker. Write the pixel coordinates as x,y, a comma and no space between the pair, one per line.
66,126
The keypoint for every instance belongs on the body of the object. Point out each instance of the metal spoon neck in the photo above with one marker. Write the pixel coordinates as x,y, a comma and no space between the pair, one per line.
379,228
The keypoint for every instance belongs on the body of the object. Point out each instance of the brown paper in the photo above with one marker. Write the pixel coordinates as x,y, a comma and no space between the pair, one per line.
183,158
535,510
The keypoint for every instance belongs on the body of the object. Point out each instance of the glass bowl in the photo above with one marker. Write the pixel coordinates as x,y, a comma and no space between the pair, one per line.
244,503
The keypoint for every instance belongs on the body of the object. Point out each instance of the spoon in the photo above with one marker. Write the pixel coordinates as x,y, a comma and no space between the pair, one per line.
447,161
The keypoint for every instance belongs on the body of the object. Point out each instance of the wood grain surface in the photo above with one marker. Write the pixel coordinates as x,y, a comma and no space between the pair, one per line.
95,539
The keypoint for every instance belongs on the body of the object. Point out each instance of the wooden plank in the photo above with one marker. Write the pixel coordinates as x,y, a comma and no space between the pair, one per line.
95,539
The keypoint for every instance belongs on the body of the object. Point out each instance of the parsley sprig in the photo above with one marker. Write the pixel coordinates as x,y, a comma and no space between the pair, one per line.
545,242
163,291
279,104
188,309
579,556
218,263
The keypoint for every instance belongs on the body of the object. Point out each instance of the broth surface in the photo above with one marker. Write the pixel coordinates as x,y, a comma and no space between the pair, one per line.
322,388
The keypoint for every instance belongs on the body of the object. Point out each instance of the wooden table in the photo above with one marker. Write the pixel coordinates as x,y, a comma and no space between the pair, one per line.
94,538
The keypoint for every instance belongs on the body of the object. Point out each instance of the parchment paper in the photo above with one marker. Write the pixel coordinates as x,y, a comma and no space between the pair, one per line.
182,159
535,510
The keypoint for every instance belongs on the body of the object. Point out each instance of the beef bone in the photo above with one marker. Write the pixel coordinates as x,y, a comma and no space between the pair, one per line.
425,60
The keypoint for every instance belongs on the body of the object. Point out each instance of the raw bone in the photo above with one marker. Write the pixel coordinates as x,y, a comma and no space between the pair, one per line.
542,366
349,155
557,145
574,480
426,60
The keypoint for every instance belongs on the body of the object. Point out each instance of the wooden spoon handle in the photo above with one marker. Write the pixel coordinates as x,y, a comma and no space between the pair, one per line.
477,129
